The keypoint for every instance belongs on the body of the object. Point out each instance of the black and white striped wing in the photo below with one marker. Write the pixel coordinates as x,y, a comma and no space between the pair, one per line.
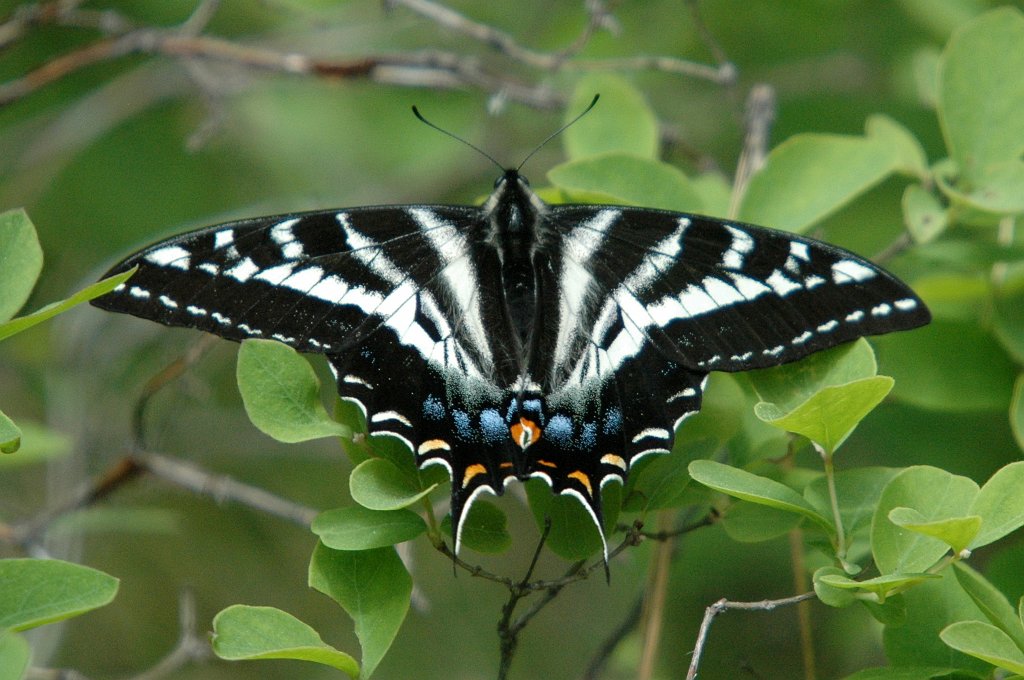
710,294
651,301
402,300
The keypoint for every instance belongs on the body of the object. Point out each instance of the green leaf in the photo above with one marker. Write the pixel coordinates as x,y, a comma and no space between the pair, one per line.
997,188
750,487
981,92
910,155
39,444
931,606
54,308
986,642
15,655
573,535
810,176
1000,504
622,121
21,261
1017,411
956,532
829,417
936,495
243,632
923,214
281,393
620,178
752,522
902,673
791,385
378,484
664,480
932,372
991,601
373,587
485,529
359,528
36,592
10,435
880,586
833,596
1008,308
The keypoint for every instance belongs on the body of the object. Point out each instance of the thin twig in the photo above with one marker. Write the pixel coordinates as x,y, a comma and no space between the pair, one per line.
760,114
190,648
429,69
724,605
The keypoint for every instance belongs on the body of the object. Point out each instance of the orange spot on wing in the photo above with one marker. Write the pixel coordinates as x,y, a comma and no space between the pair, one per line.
546,463
612,459
525,432
471,472
433,445
583,479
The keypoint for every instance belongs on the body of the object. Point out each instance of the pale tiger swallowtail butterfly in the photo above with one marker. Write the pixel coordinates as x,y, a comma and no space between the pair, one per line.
519,339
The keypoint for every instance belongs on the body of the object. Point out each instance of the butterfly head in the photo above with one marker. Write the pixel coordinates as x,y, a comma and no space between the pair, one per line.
513,207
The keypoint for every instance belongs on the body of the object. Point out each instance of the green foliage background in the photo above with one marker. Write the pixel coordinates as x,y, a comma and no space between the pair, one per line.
102,161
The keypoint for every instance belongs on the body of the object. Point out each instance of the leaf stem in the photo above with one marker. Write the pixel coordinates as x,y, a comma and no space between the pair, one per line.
830,478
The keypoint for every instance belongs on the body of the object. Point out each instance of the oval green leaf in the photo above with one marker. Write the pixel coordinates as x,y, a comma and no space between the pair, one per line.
36,592
991,601
373,587
956,532
1008,310
622,121
281,393
756,489
243,632
981,92
54,308
378,484
1000,504
949,366
936,495
573,535
810,176
39,444
10,435
21,261
910,156
1017,411
831,415
752,522
881,587
15,655
620,178
923,214
359,528
484,530
793,384
986,642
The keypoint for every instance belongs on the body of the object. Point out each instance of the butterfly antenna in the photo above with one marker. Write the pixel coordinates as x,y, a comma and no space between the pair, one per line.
416,112
560,130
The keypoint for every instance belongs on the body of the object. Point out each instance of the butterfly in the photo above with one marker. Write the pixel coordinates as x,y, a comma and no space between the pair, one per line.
518,339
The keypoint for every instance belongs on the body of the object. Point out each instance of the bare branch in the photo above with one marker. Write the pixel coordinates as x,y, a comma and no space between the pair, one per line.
724,605
428,69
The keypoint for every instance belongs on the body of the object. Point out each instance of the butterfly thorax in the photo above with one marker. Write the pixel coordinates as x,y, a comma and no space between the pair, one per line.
516,231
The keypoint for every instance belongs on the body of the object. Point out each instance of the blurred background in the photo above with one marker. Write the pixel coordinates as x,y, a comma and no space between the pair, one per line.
120,150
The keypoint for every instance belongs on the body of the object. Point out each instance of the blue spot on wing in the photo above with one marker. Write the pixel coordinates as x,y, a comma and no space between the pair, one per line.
559,430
